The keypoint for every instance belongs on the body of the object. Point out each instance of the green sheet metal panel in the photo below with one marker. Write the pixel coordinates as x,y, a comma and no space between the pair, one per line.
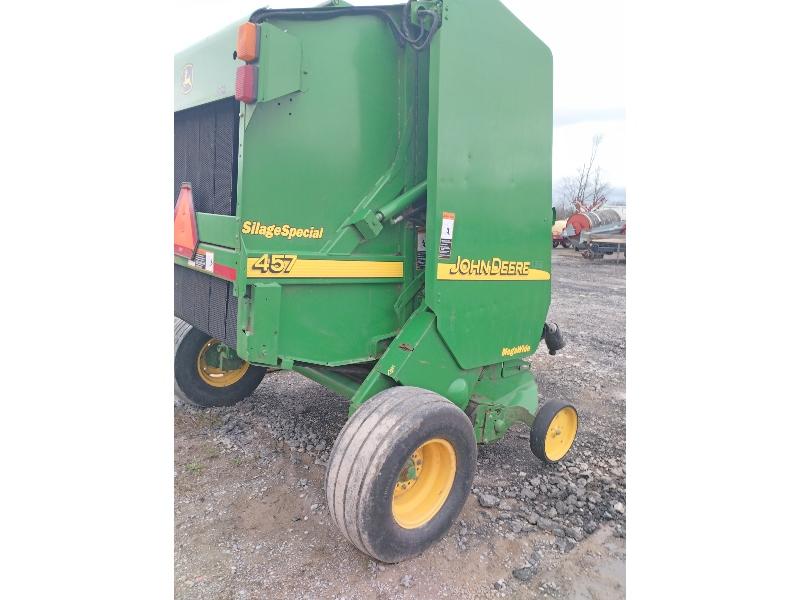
489,164
309,157
280,60
306,160
206,71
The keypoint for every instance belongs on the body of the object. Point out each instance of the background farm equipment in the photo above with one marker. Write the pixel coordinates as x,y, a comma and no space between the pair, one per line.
558,238
601,245
582,227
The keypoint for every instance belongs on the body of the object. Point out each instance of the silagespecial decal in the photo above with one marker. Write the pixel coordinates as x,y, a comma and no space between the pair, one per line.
492,269
287,231
515,350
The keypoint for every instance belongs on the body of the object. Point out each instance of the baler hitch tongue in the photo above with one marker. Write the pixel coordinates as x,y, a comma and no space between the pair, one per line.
553,338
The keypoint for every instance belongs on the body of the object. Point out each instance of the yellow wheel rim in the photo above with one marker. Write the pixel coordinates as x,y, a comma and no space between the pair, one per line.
214,376
424,483
561,433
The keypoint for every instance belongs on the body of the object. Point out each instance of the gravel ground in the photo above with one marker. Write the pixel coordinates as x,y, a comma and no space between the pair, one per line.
251,519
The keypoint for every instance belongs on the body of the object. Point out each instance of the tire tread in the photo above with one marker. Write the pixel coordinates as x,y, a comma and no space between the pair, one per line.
181,329
236,392
371,430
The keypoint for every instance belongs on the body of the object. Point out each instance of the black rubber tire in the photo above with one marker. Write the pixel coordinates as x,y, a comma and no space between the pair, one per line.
188,384
541,423
181,329
565,244
366,460
555,244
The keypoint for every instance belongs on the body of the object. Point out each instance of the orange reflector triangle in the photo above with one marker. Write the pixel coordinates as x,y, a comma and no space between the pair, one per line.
185,223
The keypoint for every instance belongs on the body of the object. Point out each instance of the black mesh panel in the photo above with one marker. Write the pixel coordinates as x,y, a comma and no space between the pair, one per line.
207,303
206,138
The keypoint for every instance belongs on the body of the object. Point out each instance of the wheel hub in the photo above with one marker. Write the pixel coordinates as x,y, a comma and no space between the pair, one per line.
410,472
218,365
561,433
424,483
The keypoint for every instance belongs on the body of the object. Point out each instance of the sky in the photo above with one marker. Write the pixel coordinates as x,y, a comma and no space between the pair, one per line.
585,37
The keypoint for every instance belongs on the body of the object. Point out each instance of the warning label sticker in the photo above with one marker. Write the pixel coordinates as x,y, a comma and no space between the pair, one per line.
420,249
446,239
203,260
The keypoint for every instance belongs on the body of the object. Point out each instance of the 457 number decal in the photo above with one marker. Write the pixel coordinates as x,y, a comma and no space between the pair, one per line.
272,264
275,266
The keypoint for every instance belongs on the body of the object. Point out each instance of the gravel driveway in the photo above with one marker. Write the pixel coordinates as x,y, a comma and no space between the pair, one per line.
251,519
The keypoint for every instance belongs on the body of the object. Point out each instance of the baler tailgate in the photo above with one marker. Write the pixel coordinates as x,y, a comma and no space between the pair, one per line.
489,183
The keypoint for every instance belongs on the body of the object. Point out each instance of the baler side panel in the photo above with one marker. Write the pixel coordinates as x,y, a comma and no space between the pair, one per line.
489,163
206,71
307,159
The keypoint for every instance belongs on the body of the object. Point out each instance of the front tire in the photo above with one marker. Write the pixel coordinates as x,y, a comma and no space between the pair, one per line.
400,472
554,430
205,386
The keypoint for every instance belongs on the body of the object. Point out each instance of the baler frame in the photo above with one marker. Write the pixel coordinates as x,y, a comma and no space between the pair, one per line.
446,157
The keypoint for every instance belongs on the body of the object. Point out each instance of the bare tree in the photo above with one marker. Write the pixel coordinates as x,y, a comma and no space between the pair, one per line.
586,191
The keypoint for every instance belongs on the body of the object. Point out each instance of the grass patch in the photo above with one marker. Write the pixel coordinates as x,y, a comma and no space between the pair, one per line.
210,451
208,419
195,467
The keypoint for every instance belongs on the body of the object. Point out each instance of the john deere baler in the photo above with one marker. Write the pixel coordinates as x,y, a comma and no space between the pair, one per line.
363,196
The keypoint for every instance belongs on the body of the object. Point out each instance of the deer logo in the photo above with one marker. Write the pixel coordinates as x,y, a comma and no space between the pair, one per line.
188,75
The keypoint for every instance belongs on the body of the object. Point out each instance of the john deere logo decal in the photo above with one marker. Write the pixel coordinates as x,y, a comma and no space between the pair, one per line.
188,76
493,269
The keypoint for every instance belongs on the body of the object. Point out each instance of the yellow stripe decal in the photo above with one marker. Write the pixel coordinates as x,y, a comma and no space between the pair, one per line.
285,266
451,272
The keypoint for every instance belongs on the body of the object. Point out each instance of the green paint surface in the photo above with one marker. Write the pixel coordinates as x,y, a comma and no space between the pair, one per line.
348,120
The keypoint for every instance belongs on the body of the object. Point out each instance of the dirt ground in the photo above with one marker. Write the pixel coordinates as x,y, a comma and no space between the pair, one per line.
251,519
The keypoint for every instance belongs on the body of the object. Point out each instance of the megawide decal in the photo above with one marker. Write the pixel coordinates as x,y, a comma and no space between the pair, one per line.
287,231
515,350
494,269
269,266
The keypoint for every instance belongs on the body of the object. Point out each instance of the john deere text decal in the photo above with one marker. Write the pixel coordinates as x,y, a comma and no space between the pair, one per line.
493,269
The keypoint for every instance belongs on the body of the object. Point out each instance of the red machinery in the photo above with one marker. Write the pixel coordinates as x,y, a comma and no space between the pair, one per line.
608,220
558,230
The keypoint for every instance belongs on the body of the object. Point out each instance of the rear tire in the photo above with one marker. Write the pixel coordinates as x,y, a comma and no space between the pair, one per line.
555,244
189,383
406,456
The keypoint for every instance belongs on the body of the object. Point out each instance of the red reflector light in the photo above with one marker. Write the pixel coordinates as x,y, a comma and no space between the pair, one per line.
247,83
186,238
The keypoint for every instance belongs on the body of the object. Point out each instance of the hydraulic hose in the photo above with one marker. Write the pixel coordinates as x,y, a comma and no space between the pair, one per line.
401,31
